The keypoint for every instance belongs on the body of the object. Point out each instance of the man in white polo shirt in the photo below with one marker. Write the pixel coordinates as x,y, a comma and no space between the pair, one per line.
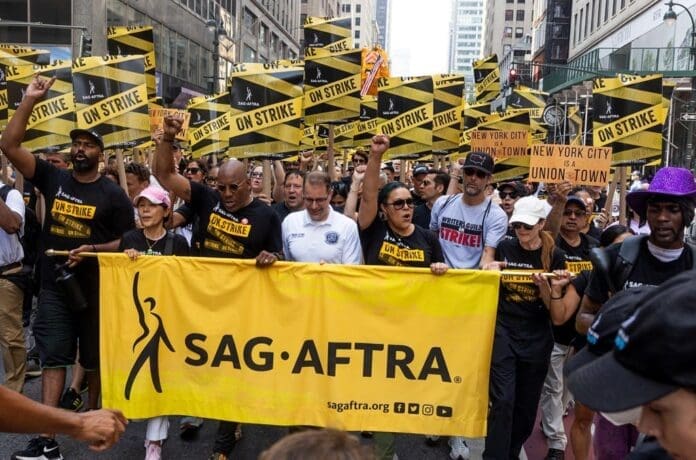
318,233
12,348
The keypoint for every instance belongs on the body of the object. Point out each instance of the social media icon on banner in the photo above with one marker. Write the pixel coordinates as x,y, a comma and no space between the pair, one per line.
413,408
428,409
444,411
399,408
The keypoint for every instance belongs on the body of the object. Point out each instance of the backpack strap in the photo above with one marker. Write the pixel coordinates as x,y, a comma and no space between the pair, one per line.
626,260
169,243
4,191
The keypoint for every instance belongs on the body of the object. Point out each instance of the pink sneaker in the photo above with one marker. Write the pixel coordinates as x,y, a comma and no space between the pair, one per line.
153,451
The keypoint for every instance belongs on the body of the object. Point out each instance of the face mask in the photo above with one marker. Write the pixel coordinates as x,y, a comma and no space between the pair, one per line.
630,416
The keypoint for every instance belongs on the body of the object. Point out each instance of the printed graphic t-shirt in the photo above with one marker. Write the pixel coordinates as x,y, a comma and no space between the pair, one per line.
79,213
384,247
242,234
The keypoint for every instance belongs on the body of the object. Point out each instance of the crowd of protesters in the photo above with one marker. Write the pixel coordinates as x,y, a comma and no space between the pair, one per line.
604,326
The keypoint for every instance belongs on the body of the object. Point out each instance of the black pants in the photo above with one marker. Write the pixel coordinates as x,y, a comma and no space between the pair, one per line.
225,438
516,381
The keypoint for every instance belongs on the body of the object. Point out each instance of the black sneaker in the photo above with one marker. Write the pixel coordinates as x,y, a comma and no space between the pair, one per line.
40,448
555,454
71,400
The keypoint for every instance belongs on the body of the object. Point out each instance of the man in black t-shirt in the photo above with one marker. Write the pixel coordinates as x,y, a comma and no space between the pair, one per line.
668,206
554,398
292,194
432,187
84,212
233,224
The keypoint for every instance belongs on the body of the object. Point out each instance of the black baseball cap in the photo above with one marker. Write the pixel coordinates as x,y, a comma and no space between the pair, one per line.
422,169
517,186
480,161
572,199
607,322
653,353
91,133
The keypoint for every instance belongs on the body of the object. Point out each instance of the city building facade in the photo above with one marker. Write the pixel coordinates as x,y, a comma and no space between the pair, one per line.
466,36
184,33
363,20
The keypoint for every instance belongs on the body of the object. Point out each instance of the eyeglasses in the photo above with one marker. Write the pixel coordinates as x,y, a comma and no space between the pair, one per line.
575,212
317,201
519,225
504,195
399,204
192,170
256,175
471,171
222,188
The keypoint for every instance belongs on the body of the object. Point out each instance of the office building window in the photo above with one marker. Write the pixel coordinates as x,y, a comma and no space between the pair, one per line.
606,10
507,33
358,7
357,21
248,54
519,32
520,15
509,14
613,8
592,17
575,28
587,16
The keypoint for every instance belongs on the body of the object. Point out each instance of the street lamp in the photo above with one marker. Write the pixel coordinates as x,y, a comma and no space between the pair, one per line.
215,27
670,18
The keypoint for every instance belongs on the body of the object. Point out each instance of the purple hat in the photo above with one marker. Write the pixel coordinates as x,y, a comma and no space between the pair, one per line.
669,182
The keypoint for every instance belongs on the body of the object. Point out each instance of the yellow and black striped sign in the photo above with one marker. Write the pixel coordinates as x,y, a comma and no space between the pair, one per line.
487,78
265,109
53,117
125,40
12,55
628,116
209,128
405,107
531,100
111,98
470,119
448,105
332,34
307,139
332,87
343,135
367,123
575,125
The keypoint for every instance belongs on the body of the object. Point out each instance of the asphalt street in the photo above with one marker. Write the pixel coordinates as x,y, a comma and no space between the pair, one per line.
255,439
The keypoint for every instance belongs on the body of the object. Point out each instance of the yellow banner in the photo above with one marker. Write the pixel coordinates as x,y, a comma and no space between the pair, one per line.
352,360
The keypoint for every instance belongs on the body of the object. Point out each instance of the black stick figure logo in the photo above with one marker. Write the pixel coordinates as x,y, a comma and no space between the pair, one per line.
151,349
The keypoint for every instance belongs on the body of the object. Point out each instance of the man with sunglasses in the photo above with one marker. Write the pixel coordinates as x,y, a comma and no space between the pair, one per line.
554,399
469,226
431,188
233,225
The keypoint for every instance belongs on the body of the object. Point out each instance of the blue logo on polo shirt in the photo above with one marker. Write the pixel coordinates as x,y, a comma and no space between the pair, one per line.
331,237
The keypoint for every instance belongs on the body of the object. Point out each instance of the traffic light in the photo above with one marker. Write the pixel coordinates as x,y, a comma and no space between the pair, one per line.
86,46
513,77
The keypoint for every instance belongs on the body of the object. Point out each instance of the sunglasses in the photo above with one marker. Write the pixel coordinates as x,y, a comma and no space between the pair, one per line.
359,161
504,195
192,170
471,171
575,212
519,225
399,204
233,187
